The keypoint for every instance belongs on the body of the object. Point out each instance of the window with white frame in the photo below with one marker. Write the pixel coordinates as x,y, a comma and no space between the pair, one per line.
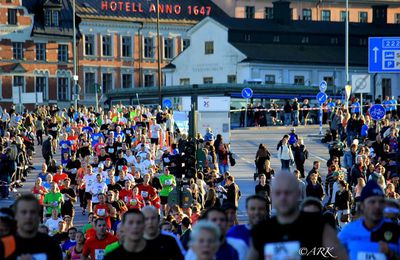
107,45
168,48
208,47
55,19
126,46
90,82
41,86
19,81
307,14
149,80
63,89
269,79
126,80
363,17
326,15
207,80
249,12
41,51
107,81
184,81
18,50
63,53
149,47
89,44
52,18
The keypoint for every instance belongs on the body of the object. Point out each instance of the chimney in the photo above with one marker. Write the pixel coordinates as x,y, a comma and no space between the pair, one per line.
282,12
379,14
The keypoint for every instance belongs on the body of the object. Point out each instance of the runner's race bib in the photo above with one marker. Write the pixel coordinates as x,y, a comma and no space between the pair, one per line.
282,251
144,194
119,167
101,212
99,254
73,170
168,182
126,199
111,150
54,128
370,256
65,146
128,132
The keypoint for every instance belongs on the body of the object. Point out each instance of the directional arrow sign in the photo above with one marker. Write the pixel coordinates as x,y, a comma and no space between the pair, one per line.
384,55
322,97
376,49
167,103
247,93
323,86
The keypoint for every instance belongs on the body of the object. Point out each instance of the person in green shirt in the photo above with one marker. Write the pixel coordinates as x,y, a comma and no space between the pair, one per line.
89,225
168,183
53,199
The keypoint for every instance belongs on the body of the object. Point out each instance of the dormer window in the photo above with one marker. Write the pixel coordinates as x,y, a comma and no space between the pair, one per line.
52,18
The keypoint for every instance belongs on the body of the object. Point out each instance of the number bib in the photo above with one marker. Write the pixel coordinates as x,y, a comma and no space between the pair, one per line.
282,251
370,256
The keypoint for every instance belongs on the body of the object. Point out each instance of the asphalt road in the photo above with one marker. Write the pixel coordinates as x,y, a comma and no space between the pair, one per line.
244,143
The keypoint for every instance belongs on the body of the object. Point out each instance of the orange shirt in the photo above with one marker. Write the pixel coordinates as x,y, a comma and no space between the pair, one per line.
102,211
59,178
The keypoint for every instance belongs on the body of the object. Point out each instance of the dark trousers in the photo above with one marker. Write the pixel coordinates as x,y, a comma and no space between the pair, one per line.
39,137
285,165
300,168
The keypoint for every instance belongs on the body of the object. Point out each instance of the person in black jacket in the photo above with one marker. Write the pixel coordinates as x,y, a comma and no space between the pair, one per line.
342,202
264,190
314,189
233,193
47,150
300,155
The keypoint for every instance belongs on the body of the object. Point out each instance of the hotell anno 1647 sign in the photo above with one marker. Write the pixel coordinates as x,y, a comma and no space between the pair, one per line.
165,7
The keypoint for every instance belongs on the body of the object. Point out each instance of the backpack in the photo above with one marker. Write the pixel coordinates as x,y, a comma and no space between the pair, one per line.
292,139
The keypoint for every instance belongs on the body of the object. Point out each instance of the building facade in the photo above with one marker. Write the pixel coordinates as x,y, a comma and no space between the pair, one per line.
36,51
119,44
279,52
315,10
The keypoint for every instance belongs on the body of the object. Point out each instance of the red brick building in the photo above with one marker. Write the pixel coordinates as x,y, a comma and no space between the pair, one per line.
36,50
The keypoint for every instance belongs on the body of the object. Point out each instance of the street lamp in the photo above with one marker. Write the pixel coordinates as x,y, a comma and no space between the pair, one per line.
158,52
75,77
348,87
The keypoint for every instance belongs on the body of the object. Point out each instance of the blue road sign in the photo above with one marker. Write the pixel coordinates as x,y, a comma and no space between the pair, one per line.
167,103
322,97
384,54
323,86
377,112
247,93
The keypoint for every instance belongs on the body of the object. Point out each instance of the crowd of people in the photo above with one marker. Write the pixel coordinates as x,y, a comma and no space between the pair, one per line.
123,170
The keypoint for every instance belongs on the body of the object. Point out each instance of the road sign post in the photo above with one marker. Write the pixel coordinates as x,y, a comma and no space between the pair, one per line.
323,86
377,112
246,93
321,97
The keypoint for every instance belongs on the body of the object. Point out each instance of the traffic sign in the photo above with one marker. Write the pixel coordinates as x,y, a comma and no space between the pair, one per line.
377,112
247,93
384,54
167,103
323,86
322,97
361,83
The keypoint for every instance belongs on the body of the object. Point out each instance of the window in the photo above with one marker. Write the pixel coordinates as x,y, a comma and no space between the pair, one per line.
18,50
207,80
299,80
12,16
250,12
51,18
232,79
276,38
269,13
89,82
126,46
386,87
106,40
41,86
363,17
247,37
363,42
307,15
168,48
342,16
89,44
334,41
149,80
63,53
148,47
304,39
185,81
107,82
209,48
126,81
326,15
269,79
329,81
41,51
19,81
185,43
397,18
62,89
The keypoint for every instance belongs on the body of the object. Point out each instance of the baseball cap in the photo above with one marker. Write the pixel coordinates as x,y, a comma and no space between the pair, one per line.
371,189
100,165
293,129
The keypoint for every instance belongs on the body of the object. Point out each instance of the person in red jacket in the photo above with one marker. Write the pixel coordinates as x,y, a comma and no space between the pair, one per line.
102,210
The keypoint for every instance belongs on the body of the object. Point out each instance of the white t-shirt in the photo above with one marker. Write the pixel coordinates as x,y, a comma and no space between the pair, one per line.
155,129
52,225
97,188
130,159
89,181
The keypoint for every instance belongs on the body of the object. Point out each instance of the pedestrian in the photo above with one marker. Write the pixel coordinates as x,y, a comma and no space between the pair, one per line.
287,109
342,204
295,112
285,155
300,155
47,150
305,111
261,156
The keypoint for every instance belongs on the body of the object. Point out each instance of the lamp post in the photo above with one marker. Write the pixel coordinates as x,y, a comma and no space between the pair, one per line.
75,77
347,56
158,52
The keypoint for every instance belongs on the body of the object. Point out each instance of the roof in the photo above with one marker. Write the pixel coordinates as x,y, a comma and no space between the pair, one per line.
64,29
301,54
96,9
